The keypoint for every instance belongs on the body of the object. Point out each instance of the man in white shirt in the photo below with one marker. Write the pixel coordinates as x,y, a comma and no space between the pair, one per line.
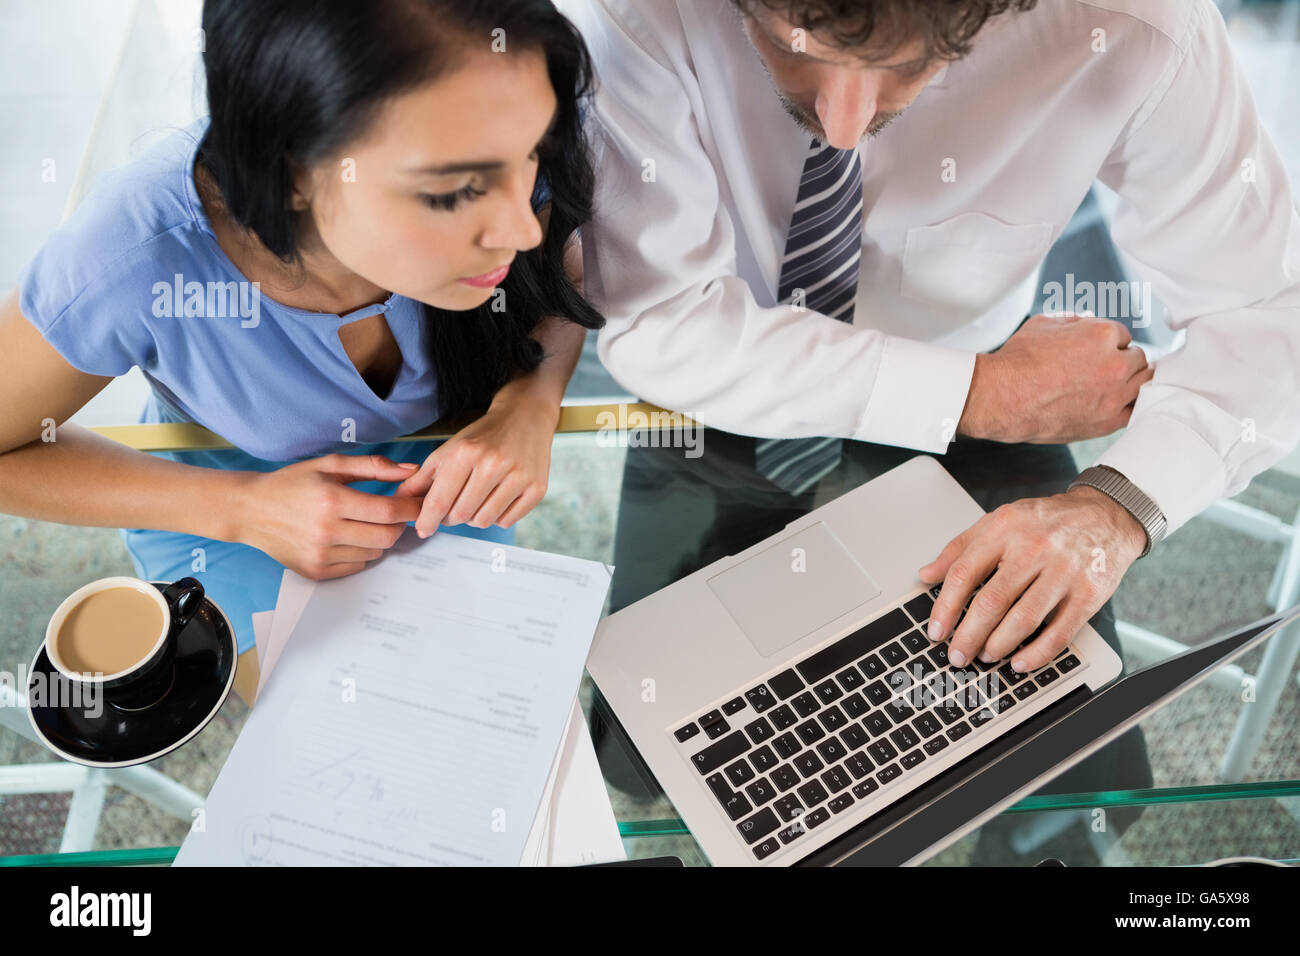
976,129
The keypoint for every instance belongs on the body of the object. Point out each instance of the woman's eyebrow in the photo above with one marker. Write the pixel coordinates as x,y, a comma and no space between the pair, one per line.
450,169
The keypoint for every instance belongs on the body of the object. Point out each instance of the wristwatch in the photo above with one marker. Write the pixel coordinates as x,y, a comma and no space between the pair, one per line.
1114,485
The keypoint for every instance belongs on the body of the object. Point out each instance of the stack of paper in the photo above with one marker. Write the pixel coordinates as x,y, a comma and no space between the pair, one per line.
423,708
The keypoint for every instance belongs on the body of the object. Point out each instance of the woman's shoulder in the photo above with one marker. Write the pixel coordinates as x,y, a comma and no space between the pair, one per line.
88,288
136,216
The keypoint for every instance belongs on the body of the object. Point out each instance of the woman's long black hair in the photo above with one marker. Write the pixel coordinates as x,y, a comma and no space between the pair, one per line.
290,82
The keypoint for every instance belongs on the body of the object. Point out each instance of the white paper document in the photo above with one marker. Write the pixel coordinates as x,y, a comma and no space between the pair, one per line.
416,716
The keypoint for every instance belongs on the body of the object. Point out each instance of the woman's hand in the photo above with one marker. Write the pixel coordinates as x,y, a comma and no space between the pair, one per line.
494,471
306,517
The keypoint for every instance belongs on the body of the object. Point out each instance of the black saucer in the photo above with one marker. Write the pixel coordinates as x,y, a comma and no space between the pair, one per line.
205,672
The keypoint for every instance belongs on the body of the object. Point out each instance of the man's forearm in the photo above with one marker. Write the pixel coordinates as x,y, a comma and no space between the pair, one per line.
85,479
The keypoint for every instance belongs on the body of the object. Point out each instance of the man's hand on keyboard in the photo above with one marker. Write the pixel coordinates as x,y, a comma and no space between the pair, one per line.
1055,559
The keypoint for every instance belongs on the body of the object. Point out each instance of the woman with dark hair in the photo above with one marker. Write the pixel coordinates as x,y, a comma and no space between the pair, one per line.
367,234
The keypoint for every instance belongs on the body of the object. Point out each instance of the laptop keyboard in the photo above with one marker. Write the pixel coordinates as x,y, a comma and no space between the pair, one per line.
856,717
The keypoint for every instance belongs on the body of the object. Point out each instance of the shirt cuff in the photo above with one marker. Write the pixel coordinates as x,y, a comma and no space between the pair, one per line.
1171,463
918,397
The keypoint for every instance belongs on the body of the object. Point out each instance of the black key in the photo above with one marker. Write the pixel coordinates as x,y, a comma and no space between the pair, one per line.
958,731
971,698
1011,677
934,591
785,778
836,779
1003,704
766,848
982,717
911,760
786,684
893,654
832,718
716,729
858,765
882,751
828,691
817,817
783,717
935,744
888,773
876,723
1025,689
759,730
810,731
733,705
858,644
865,787
915,641
807,764
840,803
899,681
792,832
919,607
898,710
758,826
964,675
736,806
854,705
986,665
1067,664
948,712
763,759
760,698
939,654
788,807
927,725
805,704
1043,678
904,738
872,666
832,750
787,745
850,678
740,772
760,791
718,784
921,666
877,693
712,717
854,737
686,733
724,751
812,793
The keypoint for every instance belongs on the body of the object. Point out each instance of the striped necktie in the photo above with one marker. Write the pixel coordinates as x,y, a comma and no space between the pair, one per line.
820,268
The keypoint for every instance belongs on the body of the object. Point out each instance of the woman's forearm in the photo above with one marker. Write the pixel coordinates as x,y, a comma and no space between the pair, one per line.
85,479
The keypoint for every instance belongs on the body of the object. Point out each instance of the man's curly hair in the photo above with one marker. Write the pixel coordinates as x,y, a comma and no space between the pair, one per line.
947,27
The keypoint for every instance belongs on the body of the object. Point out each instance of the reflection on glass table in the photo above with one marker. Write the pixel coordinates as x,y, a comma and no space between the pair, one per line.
1215,774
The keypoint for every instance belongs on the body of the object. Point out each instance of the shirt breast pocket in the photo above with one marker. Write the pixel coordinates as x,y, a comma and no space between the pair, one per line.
971,261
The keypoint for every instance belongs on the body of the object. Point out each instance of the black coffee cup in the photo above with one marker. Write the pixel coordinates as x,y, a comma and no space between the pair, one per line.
147,680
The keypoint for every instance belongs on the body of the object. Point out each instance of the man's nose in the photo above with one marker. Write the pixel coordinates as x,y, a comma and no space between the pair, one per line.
846,104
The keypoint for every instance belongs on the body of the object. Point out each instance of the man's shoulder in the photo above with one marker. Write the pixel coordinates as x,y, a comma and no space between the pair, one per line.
1169,18
655,23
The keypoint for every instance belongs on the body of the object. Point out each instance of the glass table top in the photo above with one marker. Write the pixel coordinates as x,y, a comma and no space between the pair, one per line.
1214,774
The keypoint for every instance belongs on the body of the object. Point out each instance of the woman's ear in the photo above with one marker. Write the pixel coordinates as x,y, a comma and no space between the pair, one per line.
301,192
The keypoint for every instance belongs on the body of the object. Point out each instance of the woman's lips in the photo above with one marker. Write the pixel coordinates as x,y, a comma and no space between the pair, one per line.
488,280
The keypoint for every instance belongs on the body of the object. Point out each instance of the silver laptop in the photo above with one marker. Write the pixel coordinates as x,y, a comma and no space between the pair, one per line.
792,708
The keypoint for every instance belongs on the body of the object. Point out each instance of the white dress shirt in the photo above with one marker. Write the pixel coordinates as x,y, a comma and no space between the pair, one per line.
698,165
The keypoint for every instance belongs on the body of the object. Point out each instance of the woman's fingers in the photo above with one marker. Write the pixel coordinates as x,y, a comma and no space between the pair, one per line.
502,497
450,479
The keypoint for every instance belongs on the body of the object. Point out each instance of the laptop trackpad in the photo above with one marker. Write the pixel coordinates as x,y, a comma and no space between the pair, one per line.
794,587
